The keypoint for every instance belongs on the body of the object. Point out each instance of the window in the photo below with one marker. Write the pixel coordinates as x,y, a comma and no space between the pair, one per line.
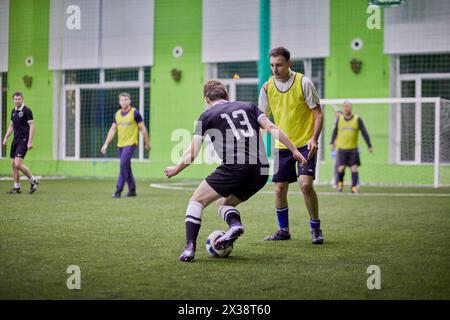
431,63
247,92
90,101
241,79
247,69
4,123
82,76
113,75
421,76
408,112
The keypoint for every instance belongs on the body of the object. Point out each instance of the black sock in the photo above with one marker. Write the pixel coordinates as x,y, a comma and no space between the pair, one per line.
341,176
233,218
192,230
354,179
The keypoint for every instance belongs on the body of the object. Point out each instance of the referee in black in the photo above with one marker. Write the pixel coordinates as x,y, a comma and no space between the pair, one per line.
23,127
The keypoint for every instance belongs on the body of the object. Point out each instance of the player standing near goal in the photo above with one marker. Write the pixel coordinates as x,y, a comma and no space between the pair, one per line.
335,155
345,139
294,103
234,130
127,123
23,126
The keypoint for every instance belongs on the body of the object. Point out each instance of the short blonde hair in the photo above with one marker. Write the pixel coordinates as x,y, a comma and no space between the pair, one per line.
125,94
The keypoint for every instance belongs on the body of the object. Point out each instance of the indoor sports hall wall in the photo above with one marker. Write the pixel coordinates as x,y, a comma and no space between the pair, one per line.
348,25
173,104
218,39
28,37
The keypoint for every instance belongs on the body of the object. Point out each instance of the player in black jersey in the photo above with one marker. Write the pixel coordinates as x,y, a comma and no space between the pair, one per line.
234,130
23,126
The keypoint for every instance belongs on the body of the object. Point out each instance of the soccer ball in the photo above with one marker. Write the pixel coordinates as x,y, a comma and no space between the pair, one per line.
211,248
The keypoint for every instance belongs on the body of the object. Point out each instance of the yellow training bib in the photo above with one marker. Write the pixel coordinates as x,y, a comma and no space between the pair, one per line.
290,112
347,135
127,129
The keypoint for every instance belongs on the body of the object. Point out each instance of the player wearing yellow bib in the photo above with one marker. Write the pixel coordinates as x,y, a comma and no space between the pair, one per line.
127,123
293,101
345,139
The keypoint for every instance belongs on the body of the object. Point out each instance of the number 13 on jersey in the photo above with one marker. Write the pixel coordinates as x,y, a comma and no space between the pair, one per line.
248,133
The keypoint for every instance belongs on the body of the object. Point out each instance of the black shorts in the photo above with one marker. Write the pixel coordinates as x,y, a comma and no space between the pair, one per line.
348,157
19,148
242,181
284,165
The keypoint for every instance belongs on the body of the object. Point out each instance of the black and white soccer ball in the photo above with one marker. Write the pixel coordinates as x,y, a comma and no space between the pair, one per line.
211,248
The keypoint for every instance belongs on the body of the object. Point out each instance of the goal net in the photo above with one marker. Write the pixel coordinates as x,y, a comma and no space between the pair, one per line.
410,138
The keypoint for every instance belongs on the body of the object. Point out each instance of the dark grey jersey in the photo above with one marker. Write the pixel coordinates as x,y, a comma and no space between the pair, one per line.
20,118
234,130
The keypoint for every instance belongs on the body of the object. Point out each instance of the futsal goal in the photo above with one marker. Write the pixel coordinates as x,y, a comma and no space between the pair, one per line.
410,138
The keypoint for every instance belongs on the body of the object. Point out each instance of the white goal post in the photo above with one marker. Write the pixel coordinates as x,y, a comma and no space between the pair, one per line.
440,123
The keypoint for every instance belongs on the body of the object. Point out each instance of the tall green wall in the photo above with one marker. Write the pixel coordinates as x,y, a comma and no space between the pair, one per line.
174,104
29,36
348,21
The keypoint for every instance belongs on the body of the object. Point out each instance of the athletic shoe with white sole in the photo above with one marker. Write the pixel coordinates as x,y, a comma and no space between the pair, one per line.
229,237
188,253
34,185
316,236
14,191
279,235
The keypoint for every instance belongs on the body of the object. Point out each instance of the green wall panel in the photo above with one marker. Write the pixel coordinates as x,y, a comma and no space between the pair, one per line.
29,36
176,104
348,21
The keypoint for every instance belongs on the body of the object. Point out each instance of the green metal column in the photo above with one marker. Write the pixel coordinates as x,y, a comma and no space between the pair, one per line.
264,46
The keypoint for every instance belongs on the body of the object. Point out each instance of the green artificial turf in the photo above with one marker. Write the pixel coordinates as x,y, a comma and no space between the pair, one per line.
128,248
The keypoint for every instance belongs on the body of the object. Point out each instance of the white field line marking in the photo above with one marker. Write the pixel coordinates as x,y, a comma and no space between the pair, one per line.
180,186
38,177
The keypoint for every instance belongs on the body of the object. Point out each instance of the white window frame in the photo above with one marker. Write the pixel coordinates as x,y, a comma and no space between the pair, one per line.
211,73
418,78
1,113
102,84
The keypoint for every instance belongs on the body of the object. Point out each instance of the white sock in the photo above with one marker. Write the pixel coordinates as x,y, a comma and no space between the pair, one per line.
194,212
229,214
33,178
16,185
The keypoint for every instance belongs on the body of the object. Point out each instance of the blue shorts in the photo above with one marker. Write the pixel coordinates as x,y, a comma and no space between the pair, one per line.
284,165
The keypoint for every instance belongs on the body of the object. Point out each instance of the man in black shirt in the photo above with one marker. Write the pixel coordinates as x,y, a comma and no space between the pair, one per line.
234,130
23,127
